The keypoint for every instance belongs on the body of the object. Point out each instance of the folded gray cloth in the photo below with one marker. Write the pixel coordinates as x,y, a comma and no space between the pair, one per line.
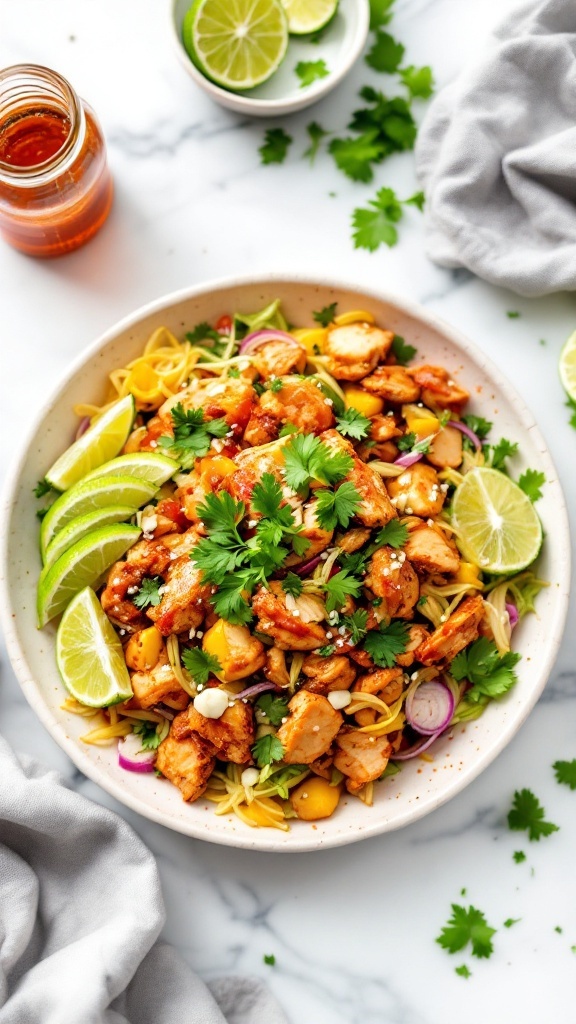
496,156
80,912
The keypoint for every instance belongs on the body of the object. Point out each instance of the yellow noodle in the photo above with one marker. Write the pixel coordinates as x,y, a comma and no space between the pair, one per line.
107,733
386,468
185,680
76,708
141,716
366,794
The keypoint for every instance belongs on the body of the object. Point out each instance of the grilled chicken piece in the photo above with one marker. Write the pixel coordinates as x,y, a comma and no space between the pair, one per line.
386,683
353,540
310,729
231,399
417,491
190,495
318,537
418,634
392,578
325,674
158,685
187,763
453,635
301,402
287,630
430,552
276,358
275,668
252,463
146,558
262,427
361,757
375,506
384,428
185,600
231,735
323,766
354,350
393,384
446,449
438,388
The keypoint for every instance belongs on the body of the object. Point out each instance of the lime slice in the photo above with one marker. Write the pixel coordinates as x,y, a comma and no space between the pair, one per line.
82,565
82,525
498,528
567,366
102,441
150,466
89,495
238,45
89,654
306,16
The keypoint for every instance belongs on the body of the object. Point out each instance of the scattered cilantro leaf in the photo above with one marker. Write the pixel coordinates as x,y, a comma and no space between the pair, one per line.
512,314
234,372
339,587
202,332
571,404
530,482
353,424
229,601
558,929
566,772
479,426
391,119
326,651
292,584
200,664
306,459
527,813
310,71
275,146
380,13
491,674
267,749
384,643
386,54
275,708
510,921
467,926
287,429
148,593
336,508
501,451
42,488
463,971
150,738
418,81
394,534
374,226
192,435
405,443
41,512
355,624
402,352
316,133
418,200
325,316
353,156
519,856
270,959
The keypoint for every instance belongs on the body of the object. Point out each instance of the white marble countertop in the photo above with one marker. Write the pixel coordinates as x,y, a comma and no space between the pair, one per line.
352,929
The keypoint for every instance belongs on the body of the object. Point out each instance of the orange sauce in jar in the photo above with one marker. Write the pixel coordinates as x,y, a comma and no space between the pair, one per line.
55,186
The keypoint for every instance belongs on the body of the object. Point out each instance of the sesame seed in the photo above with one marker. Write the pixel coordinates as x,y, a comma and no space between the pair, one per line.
315,728
329,635
340,643
386,571
328,401
284,720
191,634
408,510
430,522
199,634
296,613
122,632
153,444
304,796
393,555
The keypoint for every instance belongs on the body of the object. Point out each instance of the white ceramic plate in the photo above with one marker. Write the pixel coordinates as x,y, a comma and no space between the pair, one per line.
340,46
421,786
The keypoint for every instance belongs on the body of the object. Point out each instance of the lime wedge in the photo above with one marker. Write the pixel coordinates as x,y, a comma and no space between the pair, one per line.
238,45
89,654
82,565
306,16
89,495
567,366
150,466
102,441
79,527
497,526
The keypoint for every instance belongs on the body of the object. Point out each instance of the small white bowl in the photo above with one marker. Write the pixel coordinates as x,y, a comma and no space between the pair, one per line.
463,752
340,46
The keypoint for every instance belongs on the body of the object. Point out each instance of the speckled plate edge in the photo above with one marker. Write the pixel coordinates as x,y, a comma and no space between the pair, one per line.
265,840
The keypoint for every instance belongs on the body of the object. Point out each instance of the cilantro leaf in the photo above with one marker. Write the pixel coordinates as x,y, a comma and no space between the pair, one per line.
316,133
292,584
353,424
530,482
406,443
150,738
309,71
270,959
229,601
418,81
42,488
491,674
353,156
355,624
275,708
275,146
287,429
267,749
375,226
566,772
467,926
336,508
326,651
519,856
41,512
394,534
380,13
502,451
527,813
200,664
148,593
192,434
384,643
571,404
478,424
339,587
307,459
390,118
386,53
201,332
510,921
463,971
512,314
402,352
325,316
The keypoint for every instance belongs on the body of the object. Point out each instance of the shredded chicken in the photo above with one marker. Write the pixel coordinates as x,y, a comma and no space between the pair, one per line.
430,552
325,674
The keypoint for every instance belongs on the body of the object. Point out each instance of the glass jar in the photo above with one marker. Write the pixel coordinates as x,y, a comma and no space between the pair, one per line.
55,186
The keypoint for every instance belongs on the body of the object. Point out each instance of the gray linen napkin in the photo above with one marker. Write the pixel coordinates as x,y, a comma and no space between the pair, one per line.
80,913
496,155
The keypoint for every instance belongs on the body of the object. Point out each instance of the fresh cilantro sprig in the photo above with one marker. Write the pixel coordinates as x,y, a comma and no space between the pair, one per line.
325,316
339,587
354,156
202,332
418,81
336,508
355,624
148,593
267,749
386,642
402,352
150,736
42,488
353,424
386,54
467,926
530,482
292,584
275,708
528,814
275,146
498,453
566,772
491,674
326,651
269,959
571,404
375,225
192,435
316,133
200,664
394,534
380,13
310,71
307,459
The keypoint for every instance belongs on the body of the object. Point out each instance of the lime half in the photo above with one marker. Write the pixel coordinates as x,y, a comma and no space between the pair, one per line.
306,16
79,527
89,495
237,43
82,565
497,526
567,366
89,654
150,466
102,441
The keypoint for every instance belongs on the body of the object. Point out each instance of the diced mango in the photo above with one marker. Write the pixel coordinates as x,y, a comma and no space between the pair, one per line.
362,401
420,421
468,573
315,798
143,649
213,470
239,653
355,316
313,338
263,812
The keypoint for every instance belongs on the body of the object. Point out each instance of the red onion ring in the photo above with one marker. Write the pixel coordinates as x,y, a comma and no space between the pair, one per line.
252,691
418,748
308,567
132,758
512,614
82,427
429,708
256,339
466,430
409,459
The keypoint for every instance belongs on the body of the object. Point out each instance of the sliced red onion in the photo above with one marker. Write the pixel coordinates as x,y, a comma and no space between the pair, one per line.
308,567
132,757
466,430
512,614
409,459
429,708
82,427
253,691
417,749
256,339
